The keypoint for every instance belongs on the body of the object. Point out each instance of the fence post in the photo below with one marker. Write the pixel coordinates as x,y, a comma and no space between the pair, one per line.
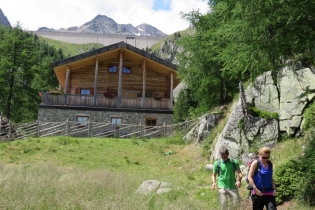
186,126
115,130
164,129
141,132
9,132
89,128
38,132
67,127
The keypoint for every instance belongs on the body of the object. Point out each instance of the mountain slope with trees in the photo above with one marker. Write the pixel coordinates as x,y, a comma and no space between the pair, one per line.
237,41
25,70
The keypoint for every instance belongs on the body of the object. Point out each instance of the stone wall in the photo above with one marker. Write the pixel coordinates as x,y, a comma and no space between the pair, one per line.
50,114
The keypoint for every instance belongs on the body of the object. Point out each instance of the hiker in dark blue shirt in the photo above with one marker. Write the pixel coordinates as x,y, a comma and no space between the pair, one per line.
260,178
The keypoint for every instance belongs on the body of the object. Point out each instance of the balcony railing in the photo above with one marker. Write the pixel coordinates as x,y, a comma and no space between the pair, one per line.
102,101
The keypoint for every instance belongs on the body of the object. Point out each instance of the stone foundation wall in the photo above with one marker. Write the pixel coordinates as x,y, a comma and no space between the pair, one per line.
58,115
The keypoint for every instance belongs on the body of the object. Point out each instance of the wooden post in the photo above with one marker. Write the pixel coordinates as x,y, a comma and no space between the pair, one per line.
121,65
67,127
89,128
95,80
186,126
141,132
9,132
143,83
66,85
164,129
171,93
115,129
38,131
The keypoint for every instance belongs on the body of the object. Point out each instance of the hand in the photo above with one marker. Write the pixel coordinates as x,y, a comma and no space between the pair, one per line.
258,192
238,184
213,185
274,192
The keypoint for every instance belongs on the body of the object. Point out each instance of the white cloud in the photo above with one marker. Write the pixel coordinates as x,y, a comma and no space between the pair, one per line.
65,13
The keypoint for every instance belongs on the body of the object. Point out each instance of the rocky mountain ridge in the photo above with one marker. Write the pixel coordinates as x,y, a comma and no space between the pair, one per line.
3,19
104,25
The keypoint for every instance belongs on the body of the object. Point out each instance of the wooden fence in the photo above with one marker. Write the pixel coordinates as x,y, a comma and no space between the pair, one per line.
9,131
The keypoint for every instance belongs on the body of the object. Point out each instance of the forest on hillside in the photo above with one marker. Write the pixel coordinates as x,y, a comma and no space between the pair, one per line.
237,41
25,70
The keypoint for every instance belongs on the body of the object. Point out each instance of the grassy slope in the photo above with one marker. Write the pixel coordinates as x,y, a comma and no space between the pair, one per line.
60,170
70,48
158,45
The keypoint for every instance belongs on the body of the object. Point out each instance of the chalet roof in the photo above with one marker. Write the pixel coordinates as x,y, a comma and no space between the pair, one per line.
110,52
118,45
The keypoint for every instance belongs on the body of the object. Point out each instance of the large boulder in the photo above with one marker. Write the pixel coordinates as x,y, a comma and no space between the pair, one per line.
288,98
155,186
202,130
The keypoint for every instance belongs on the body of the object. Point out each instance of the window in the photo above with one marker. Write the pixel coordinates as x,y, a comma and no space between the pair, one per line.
82,121
112,69
148,95
126,70
117,121
85,92
150,122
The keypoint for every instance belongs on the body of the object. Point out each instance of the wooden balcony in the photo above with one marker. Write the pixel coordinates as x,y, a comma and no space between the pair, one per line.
102,101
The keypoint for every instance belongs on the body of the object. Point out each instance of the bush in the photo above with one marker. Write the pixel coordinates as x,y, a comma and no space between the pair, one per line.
296,179
309,117
264,114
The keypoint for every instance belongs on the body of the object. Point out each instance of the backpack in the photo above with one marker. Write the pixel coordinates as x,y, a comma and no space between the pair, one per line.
219,165
249,187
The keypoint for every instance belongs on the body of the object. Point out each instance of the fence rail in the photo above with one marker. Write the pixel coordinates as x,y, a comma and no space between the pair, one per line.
9,131
102,101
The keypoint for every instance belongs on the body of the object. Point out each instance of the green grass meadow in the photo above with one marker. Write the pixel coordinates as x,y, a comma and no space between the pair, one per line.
71,48
102,173
96,173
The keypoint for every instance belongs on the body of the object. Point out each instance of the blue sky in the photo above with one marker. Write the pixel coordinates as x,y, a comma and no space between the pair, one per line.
162,5
162,14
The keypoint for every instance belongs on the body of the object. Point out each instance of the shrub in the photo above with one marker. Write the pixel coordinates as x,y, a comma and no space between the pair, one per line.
264,114
296,179
309,117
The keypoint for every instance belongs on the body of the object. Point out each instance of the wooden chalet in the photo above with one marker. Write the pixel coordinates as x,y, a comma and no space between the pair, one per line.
106,83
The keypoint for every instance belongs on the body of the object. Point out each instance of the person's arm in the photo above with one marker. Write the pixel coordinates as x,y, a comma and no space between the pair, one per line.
239,178
273,184
251,173
214,176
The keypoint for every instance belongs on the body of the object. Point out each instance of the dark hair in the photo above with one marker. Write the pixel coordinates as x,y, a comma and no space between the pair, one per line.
224,151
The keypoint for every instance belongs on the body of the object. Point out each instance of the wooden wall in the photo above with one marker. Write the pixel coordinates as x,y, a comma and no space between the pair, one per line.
131,83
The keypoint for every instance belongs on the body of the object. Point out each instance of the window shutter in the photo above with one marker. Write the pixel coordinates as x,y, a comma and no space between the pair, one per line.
77,90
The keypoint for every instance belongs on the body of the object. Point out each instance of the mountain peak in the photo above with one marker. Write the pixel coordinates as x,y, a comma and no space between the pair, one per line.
3,19
105,25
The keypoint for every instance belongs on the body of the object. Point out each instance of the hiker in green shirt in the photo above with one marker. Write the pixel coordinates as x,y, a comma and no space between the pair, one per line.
227,182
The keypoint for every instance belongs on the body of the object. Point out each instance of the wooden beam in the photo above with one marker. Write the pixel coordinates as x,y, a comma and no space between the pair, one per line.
67,84
143,83
171,92
121,65
95,80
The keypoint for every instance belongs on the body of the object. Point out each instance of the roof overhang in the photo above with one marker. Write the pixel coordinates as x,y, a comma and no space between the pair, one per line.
130,52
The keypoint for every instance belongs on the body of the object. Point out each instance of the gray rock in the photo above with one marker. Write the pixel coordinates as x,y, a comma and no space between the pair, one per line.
289,98
155,186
